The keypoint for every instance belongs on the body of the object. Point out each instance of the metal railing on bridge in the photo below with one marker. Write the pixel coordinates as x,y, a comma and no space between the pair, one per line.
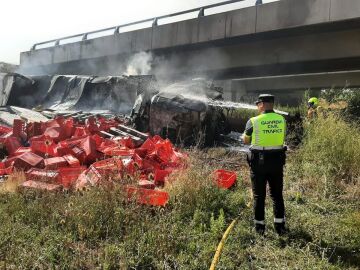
116,29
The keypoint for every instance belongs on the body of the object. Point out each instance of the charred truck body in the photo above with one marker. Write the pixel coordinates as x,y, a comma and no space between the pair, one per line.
182,113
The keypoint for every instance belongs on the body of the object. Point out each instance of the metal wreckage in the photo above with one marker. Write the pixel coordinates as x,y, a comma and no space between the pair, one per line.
74,132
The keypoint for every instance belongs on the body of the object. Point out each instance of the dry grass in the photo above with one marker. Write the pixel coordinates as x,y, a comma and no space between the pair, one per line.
100,229
12,182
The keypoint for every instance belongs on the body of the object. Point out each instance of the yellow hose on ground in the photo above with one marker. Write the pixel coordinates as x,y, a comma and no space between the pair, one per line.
221,245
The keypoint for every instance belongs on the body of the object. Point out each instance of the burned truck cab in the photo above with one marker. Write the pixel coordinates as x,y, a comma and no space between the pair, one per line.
181,112
177,118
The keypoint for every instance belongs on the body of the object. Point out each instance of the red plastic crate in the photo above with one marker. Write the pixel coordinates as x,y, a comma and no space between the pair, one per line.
160,175
148,145
138,161
146,184
44,147
80,132
147,196
5,170
157,138
225,179
142,152
33,129
79,153
118,151
55,133
88,145
19,128
48,176
28,160
9,162
150,165
129,166
55,162
5,130
12,144
72,161
41,186
68,176
127,142
22,150
109,167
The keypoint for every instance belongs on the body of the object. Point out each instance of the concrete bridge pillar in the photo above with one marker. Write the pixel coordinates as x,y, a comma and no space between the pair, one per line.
238,90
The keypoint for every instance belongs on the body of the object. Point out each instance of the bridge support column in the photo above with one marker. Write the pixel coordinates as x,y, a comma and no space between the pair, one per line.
238,90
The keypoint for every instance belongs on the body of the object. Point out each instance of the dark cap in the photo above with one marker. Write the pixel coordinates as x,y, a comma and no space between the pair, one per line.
265,98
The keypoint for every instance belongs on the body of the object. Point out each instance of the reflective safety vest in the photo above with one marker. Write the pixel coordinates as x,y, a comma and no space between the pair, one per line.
269,131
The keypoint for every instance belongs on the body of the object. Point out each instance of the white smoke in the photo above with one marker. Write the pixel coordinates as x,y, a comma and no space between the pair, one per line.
139,64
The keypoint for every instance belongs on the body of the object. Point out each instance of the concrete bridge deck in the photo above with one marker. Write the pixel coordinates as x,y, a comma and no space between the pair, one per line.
278,38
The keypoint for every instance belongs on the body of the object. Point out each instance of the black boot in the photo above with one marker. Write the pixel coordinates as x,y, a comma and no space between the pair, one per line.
280,228
260,229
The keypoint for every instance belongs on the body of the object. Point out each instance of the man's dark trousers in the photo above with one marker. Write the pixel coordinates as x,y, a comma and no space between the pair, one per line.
267,168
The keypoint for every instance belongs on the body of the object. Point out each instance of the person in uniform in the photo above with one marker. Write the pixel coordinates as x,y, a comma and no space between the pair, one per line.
266,135
313,108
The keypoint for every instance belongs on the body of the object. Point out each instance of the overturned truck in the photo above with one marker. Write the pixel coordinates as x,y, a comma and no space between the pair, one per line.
182,113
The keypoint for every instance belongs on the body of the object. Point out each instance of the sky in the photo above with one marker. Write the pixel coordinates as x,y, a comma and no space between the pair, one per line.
25,22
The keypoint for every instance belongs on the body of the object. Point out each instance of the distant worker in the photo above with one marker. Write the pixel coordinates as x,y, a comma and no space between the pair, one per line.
258,2
266,135
313,107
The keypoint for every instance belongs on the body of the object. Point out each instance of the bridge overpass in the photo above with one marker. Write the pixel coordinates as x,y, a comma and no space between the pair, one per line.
290,88
287,37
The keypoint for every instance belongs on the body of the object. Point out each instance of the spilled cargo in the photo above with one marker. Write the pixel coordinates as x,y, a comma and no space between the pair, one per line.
62,145
62,157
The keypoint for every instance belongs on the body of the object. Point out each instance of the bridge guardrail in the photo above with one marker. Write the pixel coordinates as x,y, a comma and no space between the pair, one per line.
116,29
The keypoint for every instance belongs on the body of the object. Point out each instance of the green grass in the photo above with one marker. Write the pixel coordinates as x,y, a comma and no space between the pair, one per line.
328,160
99,229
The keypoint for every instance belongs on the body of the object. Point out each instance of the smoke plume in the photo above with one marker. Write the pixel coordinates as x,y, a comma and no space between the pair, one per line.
139,64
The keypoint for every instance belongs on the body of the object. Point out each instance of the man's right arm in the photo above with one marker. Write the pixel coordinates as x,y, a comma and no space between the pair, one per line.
248,132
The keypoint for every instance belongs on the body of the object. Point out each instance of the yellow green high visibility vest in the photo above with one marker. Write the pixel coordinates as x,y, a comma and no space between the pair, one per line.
269,131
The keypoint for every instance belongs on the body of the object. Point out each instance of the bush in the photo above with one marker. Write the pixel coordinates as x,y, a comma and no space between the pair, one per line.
350,96
353,101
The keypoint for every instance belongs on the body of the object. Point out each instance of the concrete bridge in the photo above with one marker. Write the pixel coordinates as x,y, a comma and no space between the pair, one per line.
280,38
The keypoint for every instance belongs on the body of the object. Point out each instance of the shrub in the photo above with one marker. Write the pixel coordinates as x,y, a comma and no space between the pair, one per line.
351,97
353,101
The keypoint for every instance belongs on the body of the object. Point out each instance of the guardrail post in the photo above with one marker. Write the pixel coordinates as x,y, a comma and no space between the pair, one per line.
155,22
85,36
201,13
57,43
117,30
33,47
